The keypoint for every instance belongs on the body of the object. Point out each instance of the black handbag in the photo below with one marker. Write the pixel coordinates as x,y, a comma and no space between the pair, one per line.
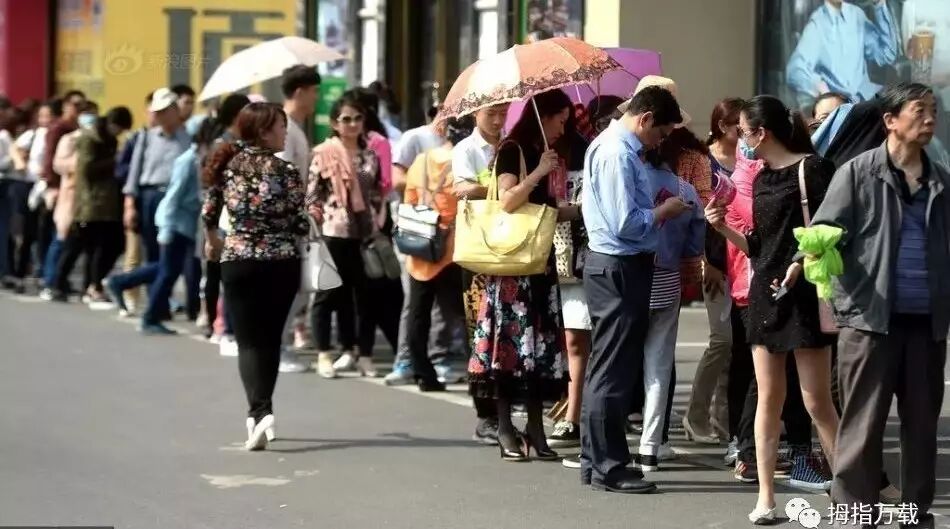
418,232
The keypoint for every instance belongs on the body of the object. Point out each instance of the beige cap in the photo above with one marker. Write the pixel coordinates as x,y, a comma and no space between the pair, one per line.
662,82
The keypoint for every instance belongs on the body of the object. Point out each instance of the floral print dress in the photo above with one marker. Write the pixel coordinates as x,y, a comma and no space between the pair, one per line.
518,349
264,197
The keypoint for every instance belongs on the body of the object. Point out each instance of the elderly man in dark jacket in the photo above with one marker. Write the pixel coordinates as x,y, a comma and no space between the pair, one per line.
892,302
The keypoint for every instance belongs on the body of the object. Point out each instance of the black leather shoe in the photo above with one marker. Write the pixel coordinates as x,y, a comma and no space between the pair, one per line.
624,482
426,386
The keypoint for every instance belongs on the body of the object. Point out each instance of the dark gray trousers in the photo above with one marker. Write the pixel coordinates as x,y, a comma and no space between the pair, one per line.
872,368
618,296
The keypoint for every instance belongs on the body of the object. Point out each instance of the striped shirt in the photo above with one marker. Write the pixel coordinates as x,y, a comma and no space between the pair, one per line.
912,286
666,288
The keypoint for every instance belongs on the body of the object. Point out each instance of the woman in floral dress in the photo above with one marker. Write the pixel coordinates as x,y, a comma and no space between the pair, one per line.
518,349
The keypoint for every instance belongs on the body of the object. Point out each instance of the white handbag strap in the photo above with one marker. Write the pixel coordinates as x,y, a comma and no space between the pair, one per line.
803,189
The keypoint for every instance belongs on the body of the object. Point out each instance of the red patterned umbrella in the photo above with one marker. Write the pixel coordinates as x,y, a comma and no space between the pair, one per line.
523,71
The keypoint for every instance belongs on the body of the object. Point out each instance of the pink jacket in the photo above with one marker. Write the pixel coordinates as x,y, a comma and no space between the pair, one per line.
739,217
381,146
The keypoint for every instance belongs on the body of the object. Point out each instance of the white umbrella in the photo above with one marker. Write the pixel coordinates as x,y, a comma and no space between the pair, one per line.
264,61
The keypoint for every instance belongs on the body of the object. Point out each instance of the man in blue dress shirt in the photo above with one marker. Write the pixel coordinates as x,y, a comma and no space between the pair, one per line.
622,227
835,47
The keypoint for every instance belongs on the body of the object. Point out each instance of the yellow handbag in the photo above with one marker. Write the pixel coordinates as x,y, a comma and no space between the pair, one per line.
489,240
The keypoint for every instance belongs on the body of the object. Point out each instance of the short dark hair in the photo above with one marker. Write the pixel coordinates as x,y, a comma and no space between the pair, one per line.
120,117
73,93
659,101
183,90
90,106
56,106
148,97
230,108
5,103
299,76
893,98
829,95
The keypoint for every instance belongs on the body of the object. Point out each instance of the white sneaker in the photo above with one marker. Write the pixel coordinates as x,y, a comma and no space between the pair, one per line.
346,362
325,365
365,367
258,438
228,346
666,453
891,495
732,453
762,516
290,363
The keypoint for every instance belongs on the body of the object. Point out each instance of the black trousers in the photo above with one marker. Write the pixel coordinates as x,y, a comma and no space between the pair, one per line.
100,241
29,222
618,295
446,287
485,408
794,415
212,290
344,301
259,297
380,307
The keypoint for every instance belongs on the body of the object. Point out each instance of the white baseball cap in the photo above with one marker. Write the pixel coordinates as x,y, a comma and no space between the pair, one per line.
162,99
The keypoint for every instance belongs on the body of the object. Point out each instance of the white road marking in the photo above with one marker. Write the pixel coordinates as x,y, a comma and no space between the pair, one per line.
243,480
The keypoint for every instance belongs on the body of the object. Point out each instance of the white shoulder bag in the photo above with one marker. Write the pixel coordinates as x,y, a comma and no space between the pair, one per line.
318,272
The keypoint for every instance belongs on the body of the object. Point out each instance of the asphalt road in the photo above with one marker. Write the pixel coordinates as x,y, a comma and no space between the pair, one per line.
100,426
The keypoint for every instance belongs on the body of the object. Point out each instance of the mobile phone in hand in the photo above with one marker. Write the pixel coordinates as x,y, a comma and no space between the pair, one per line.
780,293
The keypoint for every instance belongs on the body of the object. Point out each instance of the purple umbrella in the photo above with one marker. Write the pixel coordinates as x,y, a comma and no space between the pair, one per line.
636,64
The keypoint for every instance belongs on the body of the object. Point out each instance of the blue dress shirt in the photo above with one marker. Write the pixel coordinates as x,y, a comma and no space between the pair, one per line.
617,195
835,47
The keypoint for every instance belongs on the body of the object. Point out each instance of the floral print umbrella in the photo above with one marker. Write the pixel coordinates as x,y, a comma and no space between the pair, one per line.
523,71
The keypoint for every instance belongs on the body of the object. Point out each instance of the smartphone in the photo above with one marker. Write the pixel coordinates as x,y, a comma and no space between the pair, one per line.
780,293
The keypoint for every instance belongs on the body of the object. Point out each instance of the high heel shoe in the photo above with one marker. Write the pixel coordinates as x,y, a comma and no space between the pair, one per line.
518,455
543,454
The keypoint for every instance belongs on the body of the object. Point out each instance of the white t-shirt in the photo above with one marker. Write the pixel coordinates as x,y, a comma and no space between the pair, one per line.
413,143
6,162
297,149
34,142
470,157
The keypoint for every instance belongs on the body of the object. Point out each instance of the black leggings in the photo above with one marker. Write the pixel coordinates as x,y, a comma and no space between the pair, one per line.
259,297
381,308
345,301
101,242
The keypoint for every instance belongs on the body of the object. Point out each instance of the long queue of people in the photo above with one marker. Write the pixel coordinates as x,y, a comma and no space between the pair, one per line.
647,213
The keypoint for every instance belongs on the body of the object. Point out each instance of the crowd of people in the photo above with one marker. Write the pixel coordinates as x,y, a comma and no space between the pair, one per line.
646,220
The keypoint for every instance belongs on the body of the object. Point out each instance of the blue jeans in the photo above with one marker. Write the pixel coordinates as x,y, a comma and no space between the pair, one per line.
170,266
146,205
51,265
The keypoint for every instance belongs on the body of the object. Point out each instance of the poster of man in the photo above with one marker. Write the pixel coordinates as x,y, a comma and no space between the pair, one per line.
543,19
814,48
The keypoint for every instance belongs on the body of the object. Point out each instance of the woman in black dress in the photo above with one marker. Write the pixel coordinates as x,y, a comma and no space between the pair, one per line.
770,132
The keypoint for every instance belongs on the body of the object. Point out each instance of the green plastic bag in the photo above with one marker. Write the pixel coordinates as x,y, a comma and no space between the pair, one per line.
823,261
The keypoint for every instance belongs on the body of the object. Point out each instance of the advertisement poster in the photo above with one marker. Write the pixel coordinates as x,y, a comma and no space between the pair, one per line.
333,32
543,19
810,47
118,50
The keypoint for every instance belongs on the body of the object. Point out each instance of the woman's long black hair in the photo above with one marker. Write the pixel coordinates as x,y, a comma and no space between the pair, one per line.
788,127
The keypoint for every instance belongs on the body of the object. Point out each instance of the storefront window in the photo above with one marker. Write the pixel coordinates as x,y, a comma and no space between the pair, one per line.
811,47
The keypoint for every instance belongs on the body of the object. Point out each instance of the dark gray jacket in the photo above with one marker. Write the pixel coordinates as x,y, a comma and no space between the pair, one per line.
865,200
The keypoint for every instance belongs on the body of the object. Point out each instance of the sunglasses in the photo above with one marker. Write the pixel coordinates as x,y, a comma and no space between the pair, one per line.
350,120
